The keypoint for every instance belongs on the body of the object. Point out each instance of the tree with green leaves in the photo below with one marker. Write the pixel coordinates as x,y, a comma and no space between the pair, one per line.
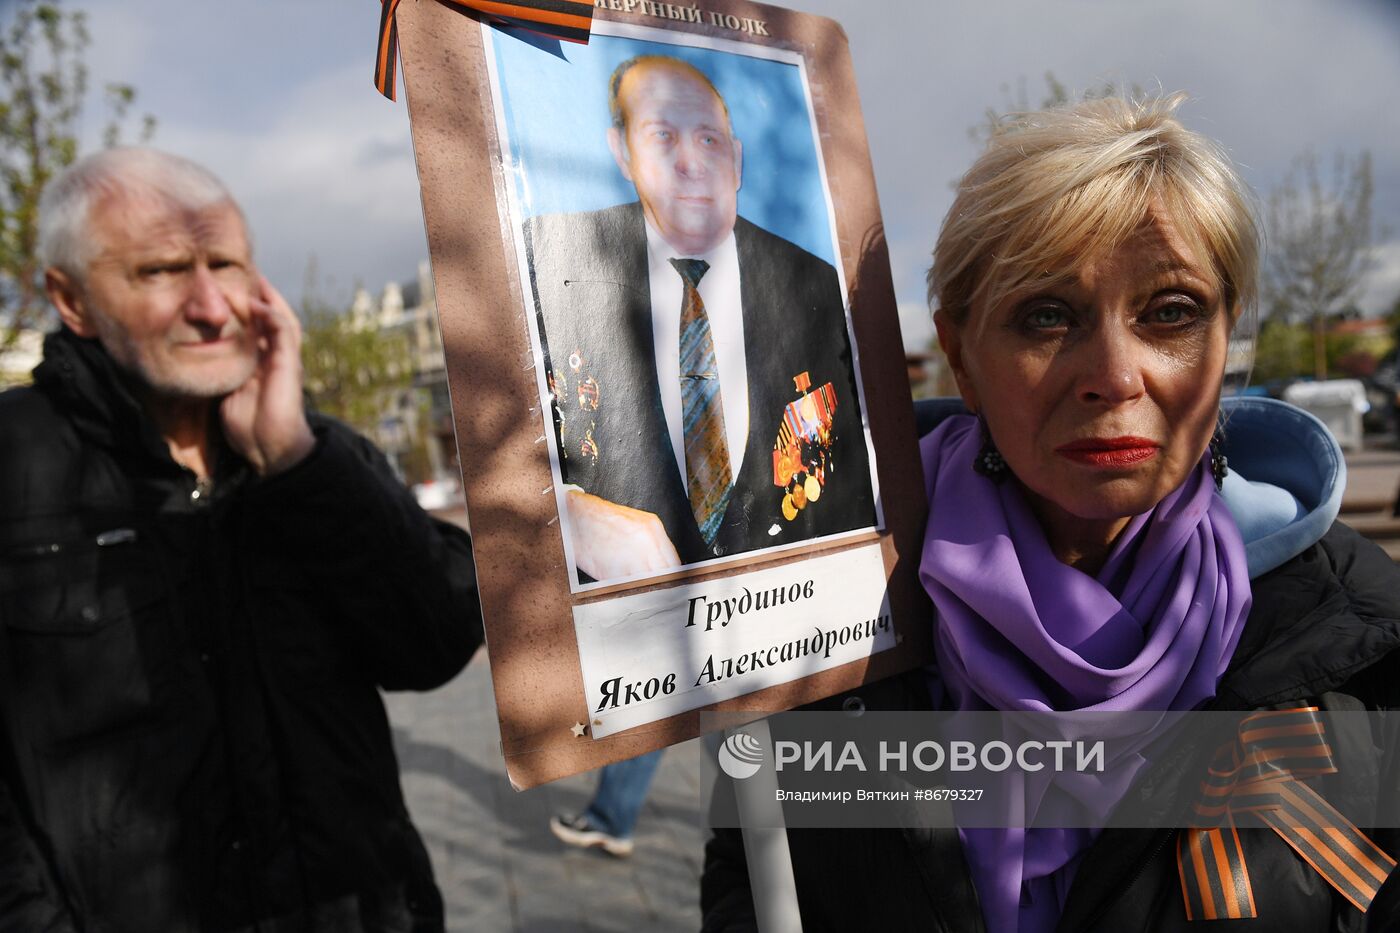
43,83
1319,244
1284,350
352,367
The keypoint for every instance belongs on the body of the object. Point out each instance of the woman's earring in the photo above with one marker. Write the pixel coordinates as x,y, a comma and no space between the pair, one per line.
990,463
1219,463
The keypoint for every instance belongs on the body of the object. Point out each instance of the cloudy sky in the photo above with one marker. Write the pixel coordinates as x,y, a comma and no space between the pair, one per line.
277,98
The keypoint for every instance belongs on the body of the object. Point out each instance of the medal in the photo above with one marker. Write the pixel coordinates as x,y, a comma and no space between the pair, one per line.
588,394
802,449
786,462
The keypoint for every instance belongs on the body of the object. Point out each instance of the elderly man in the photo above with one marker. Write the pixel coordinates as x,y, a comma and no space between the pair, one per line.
702,379
201,590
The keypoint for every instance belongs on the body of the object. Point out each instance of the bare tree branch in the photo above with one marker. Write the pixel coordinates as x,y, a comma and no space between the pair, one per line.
1319,245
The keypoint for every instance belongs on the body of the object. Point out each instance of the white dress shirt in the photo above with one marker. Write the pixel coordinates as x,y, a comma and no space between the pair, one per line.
719,290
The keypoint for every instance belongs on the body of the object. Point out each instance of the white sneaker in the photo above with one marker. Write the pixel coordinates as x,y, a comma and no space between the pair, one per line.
580,831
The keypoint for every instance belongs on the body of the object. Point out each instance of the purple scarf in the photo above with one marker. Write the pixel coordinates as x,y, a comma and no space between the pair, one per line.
1019,630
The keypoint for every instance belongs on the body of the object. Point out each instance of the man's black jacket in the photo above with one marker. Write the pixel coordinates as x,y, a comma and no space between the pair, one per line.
191,733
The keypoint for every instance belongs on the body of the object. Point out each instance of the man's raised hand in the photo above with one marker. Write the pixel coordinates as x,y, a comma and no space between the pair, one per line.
264,419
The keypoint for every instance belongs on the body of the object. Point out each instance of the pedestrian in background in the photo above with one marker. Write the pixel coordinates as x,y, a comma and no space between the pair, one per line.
608,820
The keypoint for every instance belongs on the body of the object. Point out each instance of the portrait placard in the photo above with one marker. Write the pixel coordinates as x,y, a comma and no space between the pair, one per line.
677,377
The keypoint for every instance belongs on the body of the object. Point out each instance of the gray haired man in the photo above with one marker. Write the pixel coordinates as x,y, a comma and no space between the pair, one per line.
202,590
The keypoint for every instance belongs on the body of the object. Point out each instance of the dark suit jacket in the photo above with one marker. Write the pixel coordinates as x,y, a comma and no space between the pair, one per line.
593,297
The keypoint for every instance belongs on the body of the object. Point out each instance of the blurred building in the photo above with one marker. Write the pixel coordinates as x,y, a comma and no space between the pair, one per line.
415,425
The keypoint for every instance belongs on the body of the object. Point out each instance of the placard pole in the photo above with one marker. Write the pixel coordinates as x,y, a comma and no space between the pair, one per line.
766,844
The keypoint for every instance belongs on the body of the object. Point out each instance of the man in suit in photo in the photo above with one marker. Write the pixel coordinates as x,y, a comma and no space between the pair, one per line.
704,393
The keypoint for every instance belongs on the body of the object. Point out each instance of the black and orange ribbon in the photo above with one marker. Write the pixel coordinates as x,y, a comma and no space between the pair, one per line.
570,20
1260,774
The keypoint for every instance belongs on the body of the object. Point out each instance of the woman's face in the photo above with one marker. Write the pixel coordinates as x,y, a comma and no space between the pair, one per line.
1101,393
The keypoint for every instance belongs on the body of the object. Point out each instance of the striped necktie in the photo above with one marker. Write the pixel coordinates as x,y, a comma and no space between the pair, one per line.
706,450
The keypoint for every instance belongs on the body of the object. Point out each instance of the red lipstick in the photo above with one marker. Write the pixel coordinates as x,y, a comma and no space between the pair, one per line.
1109,452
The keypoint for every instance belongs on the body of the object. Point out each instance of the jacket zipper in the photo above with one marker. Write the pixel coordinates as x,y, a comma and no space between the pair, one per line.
112,538
1142,869
32,550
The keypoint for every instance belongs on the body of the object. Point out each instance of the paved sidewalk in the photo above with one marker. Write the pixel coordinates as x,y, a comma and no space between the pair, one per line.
499,867
1373,476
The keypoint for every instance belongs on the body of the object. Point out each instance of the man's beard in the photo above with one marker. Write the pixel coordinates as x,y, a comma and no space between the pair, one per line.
161,374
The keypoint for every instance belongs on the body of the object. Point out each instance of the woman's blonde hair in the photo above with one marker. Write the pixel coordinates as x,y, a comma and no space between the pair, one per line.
1059,188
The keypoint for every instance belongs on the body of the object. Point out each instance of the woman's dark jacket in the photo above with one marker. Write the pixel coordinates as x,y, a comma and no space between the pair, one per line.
1324,627
191,733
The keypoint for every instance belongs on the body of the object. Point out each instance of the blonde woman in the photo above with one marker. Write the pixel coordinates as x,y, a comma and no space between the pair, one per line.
1097,542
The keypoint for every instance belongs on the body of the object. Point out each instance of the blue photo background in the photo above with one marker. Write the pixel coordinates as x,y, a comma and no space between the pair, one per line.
556,114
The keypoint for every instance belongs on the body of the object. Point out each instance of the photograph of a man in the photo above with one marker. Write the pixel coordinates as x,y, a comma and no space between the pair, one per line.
704,392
